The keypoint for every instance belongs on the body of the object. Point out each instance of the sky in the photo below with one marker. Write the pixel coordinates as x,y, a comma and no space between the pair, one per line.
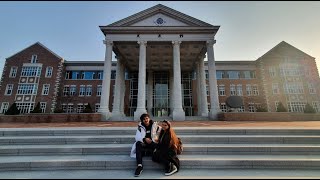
248,29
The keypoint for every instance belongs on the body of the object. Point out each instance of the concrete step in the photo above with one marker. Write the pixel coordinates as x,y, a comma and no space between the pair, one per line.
186,139
189,149
113,162
131,131
159,174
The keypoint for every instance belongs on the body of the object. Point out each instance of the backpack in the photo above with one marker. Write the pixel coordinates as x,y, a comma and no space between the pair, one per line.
180,146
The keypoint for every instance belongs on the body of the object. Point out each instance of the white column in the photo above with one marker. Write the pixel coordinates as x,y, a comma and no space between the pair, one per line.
171,92
150,90
105,94
204,100
123,90
178,113
141,104
198,88
214,99
117,93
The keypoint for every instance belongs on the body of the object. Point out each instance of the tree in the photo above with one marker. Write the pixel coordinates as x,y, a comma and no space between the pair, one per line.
87,109
281,108
37,109
309,109
13,110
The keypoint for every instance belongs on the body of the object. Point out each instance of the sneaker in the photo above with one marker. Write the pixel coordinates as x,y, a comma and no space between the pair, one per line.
138,171
172,170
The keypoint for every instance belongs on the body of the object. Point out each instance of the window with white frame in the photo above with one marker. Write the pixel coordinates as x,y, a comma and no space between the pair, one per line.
272,71
73,90
222,90
219,74
316,106
45,89
312,89
66,90
293,88
248,89
68,75
70,108
223,107
4,107
25,107
275,88
207,89
80,108
97,106
276,103
233,74
251,107
99,90
100,75
82,90
27,89
239,90
31,71
13,72
89,90
232,90
241,109
34,59
9,89
49,71
43,106
255,90
297,106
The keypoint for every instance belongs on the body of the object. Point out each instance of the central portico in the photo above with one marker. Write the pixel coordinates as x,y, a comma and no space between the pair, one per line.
160,44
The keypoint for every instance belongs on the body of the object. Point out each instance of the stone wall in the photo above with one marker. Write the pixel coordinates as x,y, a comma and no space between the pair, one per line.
268,116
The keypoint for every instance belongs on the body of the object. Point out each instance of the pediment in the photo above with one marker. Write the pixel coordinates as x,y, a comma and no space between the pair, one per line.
159,15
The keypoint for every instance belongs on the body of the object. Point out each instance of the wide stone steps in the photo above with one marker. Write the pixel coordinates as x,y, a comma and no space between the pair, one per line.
112,162
109,148
189,149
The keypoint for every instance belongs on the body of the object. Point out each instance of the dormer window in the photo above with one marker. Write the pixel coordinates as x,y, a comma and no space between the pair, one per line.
34,59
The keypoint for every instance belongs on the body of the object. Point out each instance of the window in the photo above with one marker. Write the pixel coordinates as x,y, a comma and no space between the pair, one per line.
275,88
207,89
100,75
80,108
219,74
45,89
67,108
276,105
239,90
316,106
207,74
272,71
113,74
82,90
43,106
27,89
312,89
97,106
66,90
232,90
248,89
34,59
223,107
13,72
233,74
31,71
296,106
251,107
255,90
73,90
293,88
99,90
89,90
4,107
9,89
241,109
25,107
222,91
49,71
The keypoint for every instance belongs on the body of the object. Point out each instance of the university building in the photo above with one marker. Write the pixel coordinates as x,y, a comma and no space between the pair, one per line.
165,66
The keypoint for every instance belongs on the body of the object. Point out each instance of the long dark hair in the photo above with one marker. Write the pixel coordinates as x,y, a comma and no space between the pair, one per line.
174,141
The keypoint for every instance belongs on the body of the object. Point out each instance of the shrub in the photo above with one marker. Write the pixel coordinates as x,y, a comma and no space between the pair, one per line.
281,108
37,109
309,109
58,110
87,109
262,109
13,110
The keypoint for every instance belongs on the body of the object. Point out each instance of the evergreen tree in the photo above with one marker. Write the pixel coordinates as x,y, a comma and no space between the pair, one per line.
37,109
309,109
87,109
281,108
13,110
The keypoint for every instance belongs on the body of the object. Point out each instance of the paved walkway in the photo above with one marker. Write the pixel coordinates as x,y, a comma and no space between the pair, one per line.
216,124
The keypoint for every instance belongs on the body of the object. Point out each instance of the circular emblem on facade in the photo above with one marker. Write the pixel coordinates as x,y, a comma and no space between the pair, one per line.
159,21
27,98
18,98
23,80
31,80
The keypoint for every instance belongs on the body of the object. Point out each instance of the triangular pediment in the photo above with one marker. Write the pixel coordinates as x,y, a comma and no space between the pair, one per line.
160,15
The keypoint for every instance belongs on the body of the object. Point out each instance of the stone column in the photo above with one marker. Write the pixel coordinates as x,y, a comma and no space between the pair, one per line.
117,93
150,92
105,94
141,104
171,92
178,112
214,98
123,89
198,87
204,100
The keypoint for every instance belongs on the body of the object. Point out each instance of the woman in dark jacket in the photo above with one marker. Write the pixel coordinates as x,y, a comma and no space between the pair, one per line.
166,151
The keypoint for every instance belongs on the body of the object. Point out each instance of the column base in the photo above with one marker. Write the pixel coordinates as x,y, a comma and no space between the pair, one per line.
138,113
204,114
105,115
117,116
213,114
178,115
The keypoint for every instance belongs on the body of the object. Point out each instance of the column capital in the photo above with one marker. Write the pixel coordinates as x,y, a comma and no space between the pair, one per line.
142,42
176,42
108,42
211,42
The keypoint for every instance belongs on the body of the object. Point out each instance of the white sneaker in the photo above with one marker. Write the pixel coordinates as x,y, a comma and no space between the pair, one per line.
172,170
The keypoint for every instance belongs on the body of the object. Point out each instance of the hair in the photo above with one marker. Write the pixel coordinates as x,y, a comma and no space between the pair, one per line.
174,141
143,116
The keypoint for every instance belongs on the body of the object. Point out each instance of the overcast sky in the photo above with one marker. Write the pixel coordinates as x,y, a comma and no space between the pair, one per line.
248,29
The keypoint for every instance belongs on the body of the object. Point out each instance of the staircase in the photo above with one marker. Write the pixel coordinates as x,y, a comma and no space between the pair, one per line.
204,148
